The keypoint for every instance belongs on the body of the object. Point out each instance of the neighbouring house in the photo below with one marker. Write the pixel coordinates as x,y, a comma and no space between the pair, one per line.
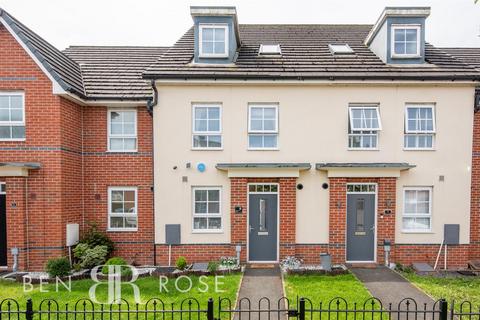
267,140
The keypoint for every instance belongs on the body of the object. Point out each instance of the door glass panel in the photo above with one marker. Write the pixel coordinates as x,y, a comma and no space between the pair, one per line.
262,223
360,217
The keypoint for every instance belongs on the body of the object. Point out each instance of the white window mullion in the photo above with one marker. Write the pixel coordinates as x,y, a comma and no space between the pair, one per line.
117,220
117,141
210,220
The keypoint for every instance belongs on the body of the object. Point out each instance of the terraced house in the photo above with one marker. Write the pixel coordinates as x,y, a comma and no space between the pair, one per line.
265,141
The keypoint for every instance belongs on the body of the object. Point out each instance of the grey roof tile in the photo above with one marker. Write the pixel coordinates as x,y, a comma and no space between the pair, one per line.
470,56
306,55
115,72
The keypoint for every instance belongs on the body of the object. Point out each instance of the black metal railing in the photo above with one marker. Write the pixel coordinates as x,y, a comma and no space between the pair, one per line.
244,308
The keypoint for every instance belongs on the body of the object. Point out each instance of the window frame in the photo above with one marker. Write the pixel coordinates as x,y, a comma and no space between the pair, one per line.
432,132
409,215
263,132
223,26
351,132
207,133
113,214
15,123
110,135
207,215
394,27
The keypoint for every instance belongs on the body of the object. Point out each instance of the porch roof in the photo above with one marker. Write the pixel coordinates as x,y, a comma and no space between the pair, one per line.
17,169
263,170
364,169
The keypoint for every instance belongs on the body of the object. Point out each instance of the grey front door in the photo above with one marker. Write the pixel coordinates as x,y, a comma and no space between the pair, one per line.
3,230
263,219
361,227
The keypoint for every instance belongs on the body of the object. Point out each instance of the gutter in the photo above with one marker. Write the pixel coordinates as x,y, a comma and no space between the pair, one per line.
150,104
153,101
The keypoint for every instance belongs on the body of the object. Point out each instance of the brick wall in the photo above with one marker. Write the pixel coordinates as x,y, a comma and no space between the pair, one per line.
70,143
475,191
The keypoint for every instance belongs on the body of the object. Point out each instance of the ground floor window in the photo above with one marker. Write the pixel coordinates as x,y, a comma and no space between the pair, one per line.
417,209
122,213
207,214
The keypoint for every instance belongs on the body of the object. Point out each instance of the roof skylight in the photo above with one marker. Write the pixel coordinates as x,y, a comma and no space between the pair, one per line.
270,49
340,49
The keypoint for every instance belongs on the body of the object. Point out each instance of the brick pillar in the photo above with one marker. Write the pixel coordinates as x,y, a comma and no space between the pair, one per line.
238,228
337,219
475,192
288,216
16,220
386,221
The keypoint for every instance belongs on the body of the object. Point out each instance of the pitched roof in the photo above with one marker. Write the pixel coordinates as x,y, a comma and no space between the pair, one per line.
111,72
467,55
306,55
64,70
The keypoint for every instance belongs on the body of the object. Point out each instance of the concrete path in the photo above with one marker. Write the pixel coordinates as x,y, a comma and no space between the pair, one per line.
390,287
256,285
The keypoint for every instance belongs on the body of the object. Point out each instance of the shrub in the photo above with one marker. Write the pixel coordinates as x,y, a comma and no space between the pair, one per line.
59,267
213,266
94,238
181,263
90,257
117,261
229,262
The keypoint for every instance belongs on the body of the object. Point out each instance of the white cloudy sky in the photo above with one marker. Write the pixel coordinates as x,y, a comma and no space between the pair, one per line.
161,22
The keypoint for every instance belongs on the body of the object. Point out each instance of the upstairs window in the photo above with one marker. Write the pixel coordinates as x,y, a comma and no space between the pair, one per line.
364,124
12,116
213,41
122,130
263,127
207,127
419,127
405,41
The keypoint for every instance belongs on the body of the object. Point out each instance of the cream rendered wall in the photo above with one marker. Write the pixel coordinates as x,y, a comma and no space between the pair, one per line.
312,128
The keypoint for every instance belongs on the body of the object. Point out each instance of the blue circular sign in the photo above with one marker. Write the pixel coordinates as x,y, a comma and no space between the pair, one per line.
201,167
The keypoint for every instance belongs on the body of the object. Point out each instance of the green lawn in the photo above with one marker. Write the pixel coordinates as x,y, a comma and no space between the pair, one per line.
323,288
458,289
149,288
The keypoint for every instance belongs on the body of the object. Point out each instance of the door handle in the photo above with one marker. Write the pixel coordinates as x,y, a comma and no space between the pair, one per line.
251,228
372,228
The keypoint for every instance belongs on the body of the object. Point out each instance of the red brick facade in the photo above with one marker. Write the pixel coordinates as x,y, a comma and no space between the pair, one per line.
70,143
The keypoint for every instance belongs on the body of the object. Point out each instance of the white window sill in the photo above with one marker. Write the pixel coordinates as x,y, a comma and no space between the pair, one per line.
207,231
263,149
418,149
13,140
405,56
206,55
122,230
207,149
363,149
418,232
123,151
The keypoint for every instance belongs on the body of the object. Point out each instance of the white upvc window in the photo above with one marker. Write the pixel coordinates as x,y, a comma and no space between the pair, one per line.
405,41
122,130
213,40
417,209
207,209
363,127
12,116
419,126
263,127
207,126
122,209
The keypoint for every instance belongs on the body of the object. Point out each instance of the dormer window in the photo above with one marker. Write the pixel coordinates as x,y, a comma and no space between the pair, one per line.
270,49
213,40
405,41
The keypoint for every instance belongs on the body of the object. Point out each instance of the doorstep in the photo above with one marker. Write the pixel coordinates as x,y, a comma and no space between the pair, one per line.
363,265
